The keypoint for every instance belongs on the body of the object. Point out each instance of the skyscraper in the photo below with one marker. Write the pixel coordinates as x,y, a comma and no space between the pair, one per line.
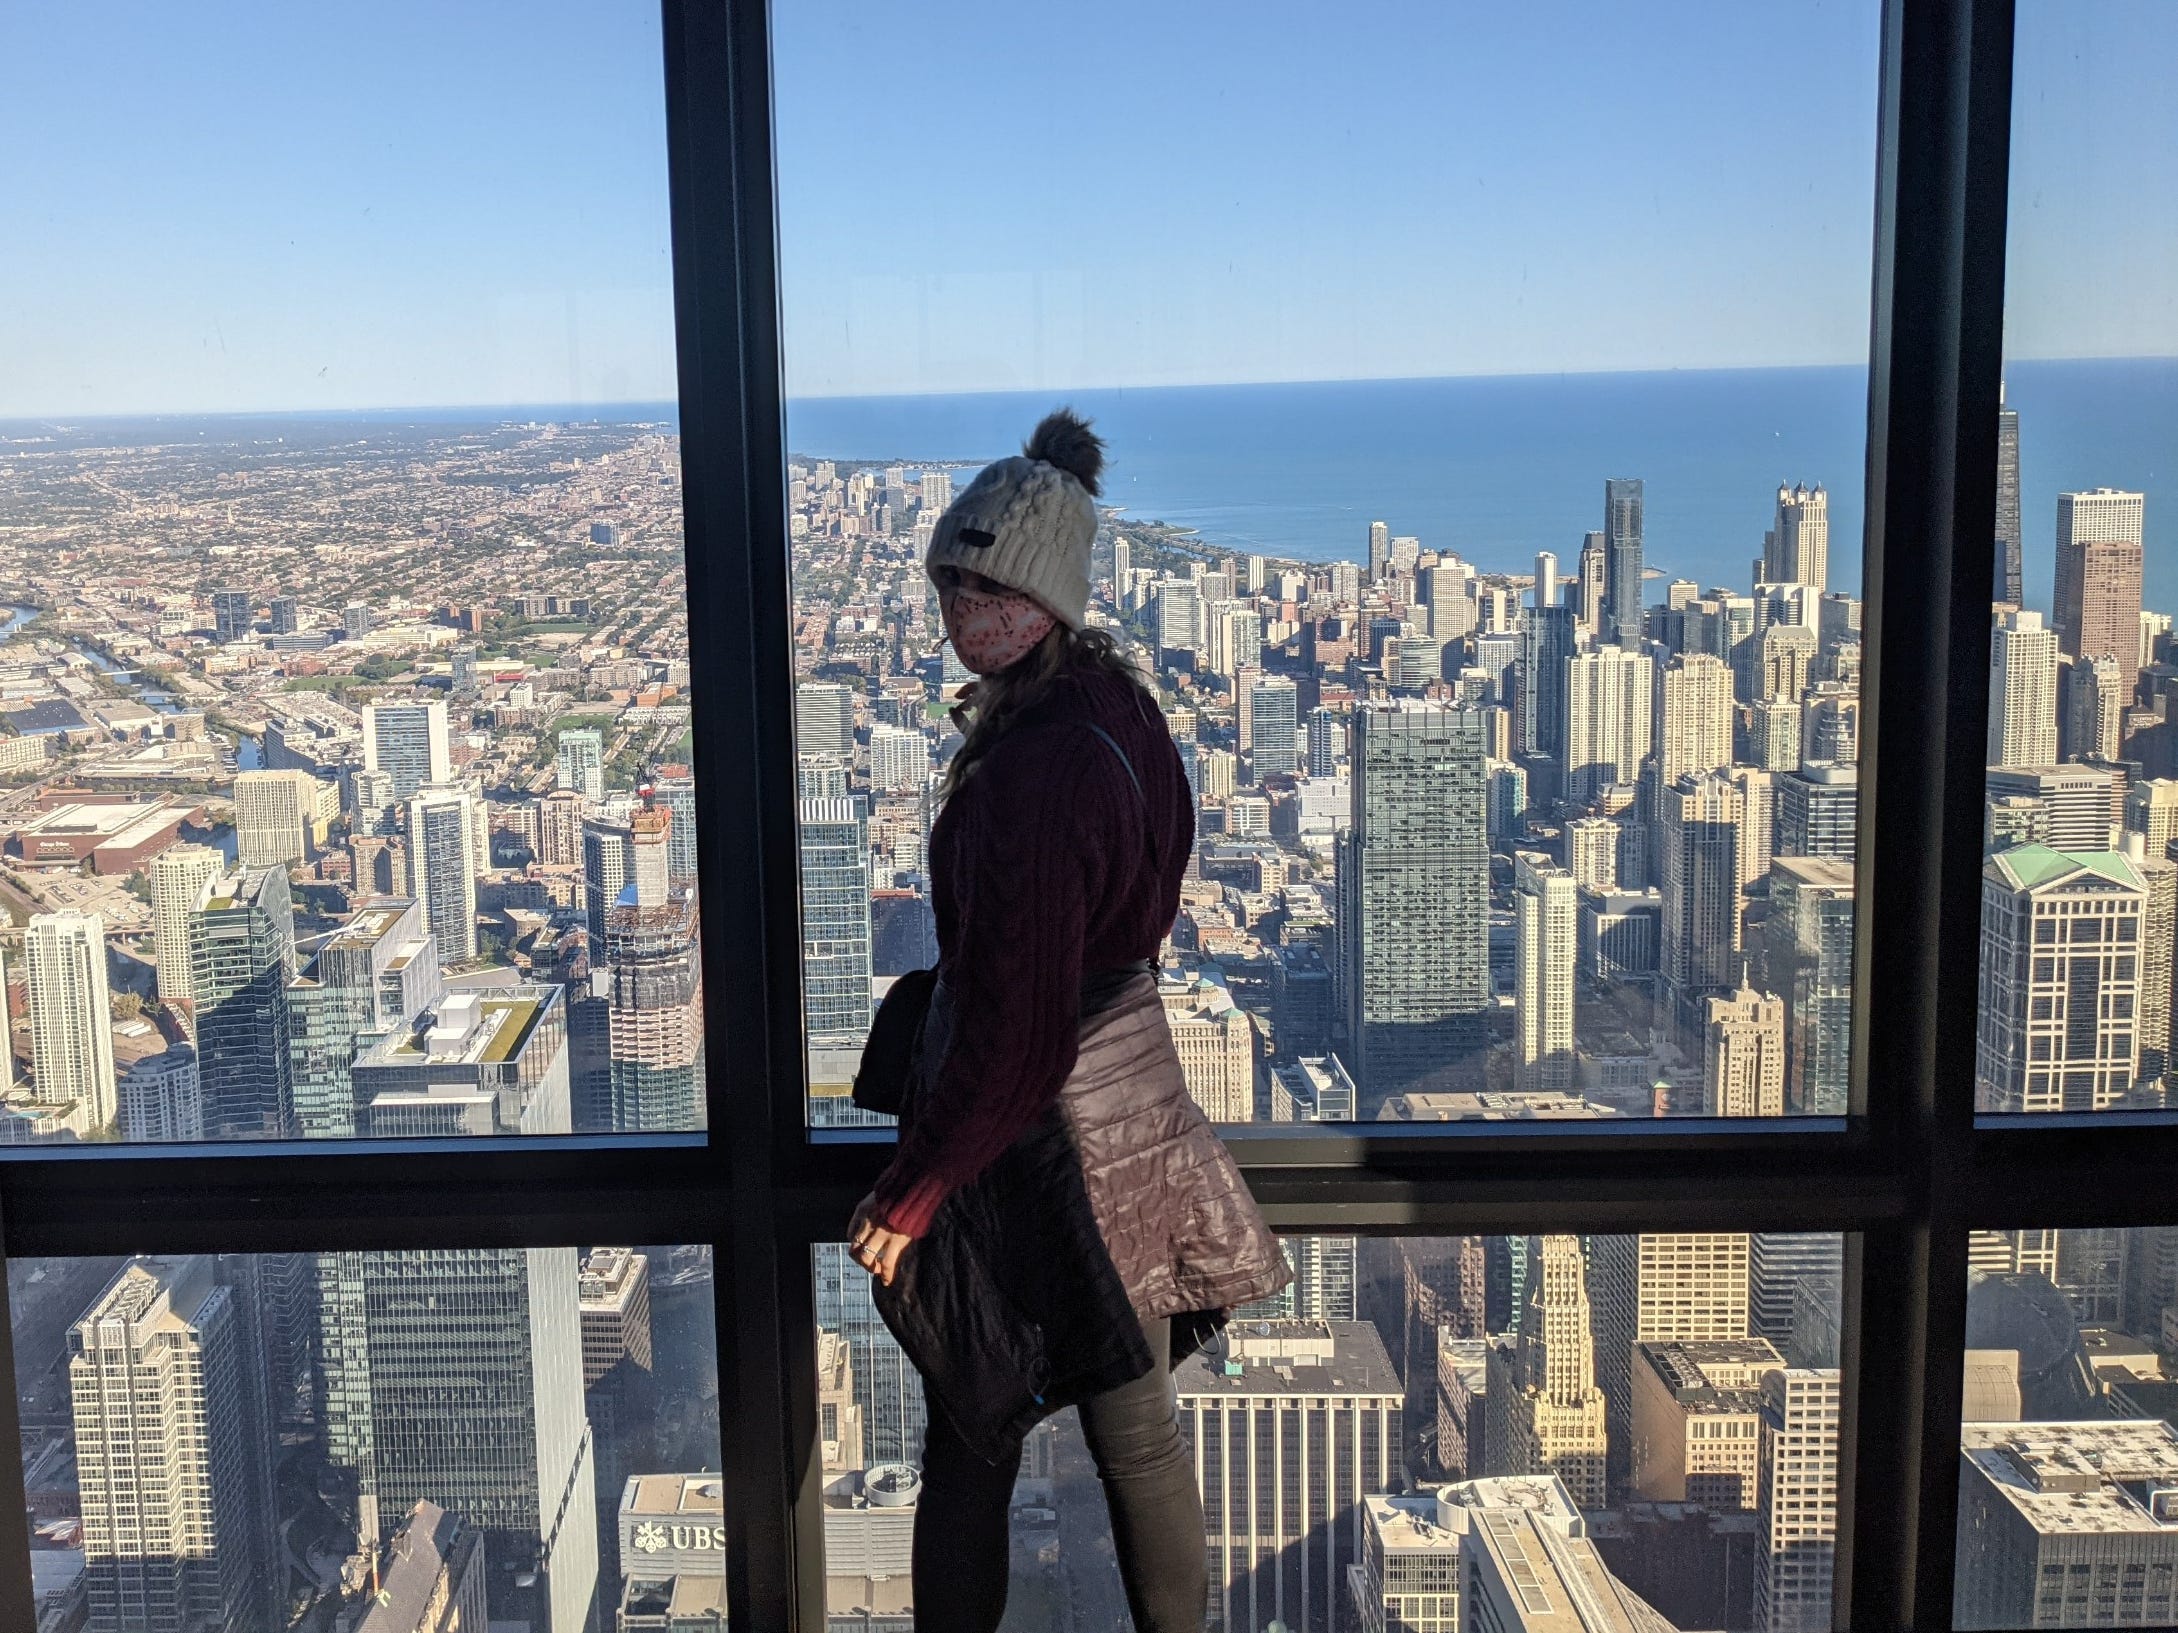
1297,1425
1797,1503
1380,545
675,792
1546,1411
1810,965
608,855
1657,1287
165,1431
2022,690
1274,727
161,1097
275,814
1608,716
178,876
579,762
1548,589
408,742
242,956
233,615
1548,637
71,1019
443,862
2008,587
1592,580
1698,952
1743,1056
2067,1524
2060,981
655,1019
1623,596
2098,577
1796,550
455,1376
836,932
1694,716
371,977
2093,695
1818,811
824,718
1413,892
1546,928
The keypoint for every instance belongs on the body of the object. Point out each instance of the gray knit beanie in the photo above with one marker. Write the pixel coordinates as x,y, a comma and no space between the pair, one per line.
1028,522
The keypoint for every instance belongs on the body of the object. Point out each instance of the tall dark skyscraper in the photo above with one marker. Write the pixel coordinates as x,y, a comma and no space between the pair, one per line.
1622,564
1413,893
2008,550
460,1372
242,957
1546,646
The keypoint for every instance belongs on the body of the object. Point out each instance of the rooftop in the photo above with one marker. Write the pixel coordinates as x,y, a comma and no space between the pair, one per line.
1293,1358
2079,1477
700,1496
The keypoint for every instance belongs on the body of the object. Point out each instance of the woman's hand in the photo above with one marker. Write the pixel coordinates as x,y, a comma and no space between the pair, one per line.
875,1245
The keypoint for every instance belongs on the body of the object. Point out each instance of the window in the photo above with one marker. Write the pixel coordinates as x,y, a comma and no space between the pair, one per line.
1647,1418
264,1437
2067,1444
347,751
2081,767
258,225
1520,794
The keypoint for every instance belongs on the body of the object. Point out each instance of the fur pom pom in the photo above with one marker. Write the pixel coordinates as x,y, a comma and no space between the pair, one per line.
1064,439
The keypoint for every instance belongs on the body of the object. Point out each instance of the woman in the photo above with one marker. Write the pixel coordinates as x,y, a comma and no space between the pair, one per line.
1060,1226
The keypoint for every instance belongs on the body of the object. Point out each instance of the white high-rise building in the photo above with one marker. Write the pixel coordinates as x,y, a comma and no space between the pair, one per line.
162,1097
1290,1385
1548,590
1796,550
579,762
1546,924
166,1425
275,816
1608,710
1694,714
1797,1500
1179,615
178,876
408,742
899,760
71,1017
2022,690
443,859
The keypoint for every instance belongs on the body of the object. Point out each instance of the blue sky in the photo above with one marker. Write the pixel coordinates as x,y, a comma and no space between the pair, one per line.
237,206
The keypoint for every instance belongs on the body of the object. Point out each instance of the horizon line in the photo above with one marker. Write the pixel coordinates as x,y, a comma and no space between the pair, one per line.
599,409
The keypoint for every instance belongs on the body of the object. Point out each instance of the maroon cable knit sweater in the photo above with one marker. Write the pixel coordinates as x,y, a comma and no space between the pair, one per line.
1042,872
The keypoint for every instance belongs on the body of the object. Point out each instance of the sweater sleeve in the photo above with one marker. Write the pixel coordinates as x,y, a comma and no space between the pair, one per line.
1028,863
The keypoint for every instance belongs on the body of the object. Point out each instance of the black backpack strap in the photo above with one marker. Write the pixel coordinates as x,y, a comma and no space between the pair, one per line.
1126,764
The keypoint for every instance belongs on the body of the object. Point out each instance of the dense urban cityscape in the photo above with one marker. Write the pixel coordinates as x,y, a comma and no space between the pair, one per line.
347,792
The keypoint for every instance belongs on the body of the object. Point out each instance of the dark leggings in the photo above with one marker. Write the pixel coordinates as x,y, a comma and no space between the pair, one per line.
1133,1432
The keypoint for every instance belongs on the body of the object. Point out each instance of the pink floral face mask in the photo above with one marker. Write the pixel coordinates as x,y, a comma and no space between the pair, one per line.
994,630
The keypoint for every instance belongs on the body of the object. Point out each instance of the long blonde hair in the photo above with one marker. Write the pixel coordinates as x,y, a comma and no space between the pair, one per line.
996,703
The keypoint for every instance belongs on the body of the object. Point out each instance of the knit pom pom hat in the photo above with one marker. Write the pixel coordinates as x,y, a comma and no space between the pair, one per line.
1028,522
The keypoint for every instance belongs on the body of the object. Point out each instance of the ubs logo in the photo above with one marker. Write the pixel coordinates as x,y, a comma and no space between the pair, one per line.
652,1538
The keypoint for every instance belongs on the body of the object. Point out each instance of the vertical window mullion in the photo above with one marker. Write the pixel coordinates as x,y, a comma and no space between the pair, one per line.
1933,392
718,124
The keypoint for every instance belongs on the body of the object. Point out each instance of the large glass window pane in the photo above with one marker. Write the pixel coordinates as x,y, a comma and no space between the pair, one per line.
1648,1422
2068,1456
343,681
1485,516
522,1437
2079,890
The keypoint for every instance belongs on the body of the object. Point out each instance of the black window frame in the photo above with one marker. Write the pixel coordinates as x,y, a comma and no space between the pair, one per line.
1906,1174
